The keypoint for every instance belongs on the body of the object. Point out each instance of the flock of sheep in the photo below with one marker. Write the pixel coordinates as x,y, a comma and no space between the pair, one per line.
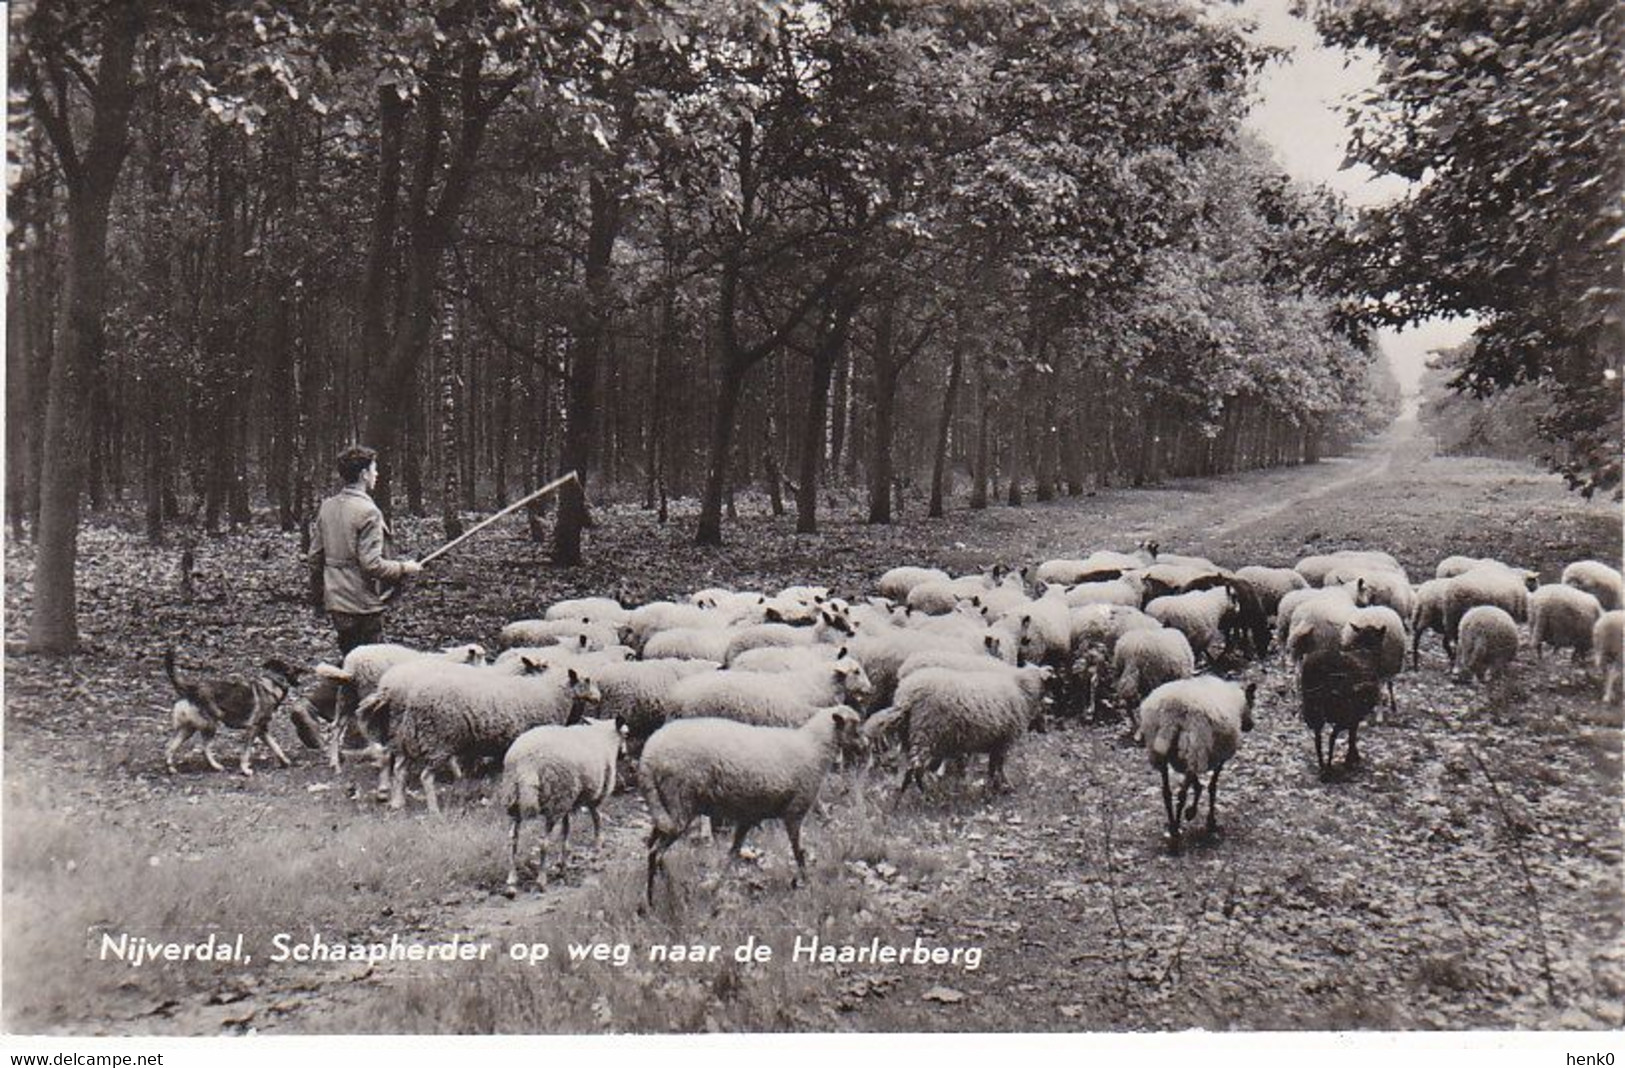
736,705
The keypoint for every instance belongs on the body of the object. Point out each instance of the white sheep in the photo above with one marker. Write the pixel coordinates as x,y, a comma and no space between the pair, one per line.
638,693
1117,591
777,658
1487,642
1562,617
1042,632
689,643
737,771
1377,586
362,669
656,616
1606,639
579,632
1164,580
1504,588
548,773
1390,658
1317,623
1451,566
1315,568
1199,616
954,714
1146,659
829,627
785,699
1272,583
883,653
1194,726
440,713
897,582
1597,579
532,659
1429,614
602,610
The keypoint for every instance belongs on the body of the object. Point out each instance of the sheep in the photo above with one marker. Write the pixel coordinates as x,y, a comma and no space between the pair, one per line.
1248,626
1043,630
1428,614
531,659
877,613
1488,642
1317,623
1605,651
1201,563
1117,591
1562,617
776,658
778,700
897,582
442,713
1451,566
739,772
548,773
605,611
1341,685
582,633
1505,589
1194,726
1288,607
882,654
363,667
1599,580
1064,572
1096,630
830,626
1146,659
1000,601
1377,586
1390,659
954,714
656,616
933,597
1200,616
689,643
1164,580
730,605
1271,583
795,604
638,694
1315,568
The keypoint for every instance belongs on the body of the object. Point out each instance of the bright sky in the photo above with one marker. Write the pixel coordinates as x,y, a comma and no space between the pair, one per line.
1301,116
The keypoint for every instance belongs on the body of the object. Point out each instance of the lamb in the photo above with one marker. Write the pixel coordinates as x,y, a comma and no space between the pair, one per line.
442,713
1199,615
1605,651
1599,580
1487,644
953,714
363,667
1562,617
1341,685
739,772
1390,660
1194,726
580,632
1429,615
1271,583
897,582
548,773
1146,659
777,700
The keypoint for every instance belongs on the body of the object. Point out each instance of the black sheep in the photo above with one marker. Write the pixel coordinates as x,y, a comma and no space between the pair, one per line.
1340,688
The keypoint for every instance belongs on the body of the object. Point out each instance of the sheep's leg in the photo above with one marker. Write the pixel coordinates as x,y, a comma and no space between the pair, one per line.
1352,758
1168,806
397,780
513,852
740,832
1393,706
541,851
1320,757
597,826
1196,798
426,777
996,781
1212,801
1179,804
659,842
1416,649
792,829
1331,750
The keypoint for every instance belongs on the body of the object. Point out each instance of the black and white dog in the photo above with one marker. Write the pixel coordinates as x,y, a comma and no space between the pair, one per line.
244,705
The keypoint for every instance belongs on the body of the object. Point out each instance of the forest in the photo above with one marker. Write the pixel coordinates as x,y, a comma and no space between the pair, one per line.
937,254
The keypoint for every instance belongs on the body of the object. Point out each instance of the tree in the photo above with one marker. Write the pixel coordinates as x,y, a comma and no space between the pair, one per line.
1508,120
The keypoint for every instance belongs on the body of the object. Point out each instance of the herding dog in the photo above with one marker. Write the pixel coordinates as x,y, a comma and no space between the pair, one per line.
205,706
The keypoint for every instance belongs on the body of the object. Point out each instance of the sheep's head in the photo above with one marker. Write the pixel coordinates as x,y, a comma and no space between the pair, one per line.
582,688
850,676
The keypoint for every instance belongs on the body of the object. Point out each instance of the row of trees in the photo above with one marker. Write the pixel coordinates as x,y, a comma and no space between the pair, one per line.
678,247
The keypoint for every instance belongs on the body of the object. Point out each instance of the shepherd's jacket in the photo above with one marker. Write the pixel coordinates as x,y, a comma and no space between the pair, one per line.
348,558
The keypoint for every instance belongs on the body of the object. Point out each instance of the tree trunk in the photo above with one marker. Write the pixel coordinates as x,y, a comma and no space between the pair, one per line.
939,465
829,350
729,389
884,400
603,224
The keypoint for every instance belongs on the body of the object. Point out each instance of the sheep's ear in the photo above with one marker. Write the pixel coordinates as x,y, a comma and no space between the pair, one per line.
574,678
840,654
531,666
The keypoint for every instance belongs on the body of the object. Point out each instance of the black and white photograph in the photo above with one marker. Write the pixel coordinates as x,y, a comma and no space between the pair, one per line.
813,518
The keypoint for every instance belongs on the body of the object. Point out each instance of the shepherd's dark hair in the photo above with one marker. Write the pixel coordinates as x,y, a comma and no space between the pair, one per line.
354,460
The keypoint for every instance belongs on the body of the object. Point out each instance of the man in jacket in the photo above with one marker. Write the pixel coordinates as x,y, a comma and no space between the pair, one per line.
347,562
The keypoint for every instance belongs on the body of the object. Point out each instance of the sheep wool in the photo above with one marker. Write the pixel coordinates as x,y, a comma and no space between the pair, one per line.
1505,589
785,699
1199,615
1272,583
1598,579
548,773
605,611
739,772
443,713
583,634
1390,658
1194,726
1317,623
1487,644
897,582
638,693
1606,638
1563,617
1428,615
1146,659
363,668
956,714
